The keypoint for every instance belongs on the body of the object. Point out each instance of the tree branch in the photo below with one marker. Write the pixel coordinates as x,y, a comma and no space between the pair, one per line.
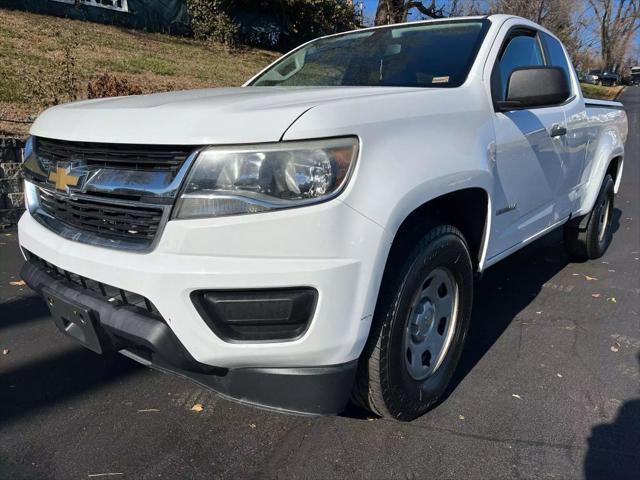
430,11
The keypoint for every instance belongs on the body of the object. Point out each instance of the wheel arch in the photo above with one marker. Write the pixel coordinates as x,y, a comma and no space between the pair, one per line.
467,209
609,158
615,170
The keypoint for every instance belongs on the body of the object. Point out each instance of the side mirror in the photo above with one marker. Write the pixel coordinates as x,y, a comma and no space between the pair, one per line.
531,87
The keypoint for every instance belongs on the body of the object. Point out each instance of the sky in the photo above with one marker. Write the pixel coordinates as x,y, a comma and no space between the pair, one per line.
370,11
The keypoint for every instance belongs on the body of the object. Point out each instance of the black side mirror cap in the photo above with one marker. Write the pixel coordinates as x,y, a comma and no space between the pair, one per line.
531,87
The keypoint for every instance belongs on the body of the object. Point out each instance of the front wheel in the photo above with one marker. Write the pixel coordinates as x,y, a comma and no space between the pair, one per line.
589,237
419,326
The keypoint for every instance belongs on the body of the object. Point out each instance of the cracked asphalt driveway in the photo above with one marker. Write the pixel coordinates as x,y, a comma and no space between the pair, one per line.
548,388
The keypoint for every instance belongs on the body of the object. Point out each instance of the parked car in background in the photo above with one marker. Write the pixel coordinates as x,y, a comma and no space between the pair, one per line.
635,76
315,235
602,77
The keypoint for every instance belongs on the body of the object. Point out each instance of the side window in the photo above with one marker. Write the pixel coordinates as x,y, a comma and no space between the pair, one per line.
557,57
521,51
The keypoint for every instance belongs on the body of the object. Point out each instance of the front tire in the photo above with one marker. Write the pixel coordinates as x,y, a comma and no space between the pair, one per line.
419,326
587,238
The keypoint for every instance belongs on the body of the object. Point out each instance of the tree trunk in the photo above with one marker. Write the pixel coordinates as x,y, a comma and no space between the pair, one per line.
390,11
396,11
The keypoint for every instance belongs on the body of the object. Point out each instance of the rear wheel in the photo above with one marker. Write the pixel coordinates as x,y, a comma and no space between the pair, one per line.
589,237
419,326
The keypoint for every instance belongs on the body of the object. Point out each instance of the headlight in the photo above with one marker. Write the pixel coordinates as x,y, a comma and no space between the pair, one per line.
252,179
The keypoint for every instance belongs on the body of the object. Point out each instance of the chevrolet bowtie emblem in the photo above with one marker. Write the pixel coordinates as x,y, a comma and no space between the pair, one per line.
62,179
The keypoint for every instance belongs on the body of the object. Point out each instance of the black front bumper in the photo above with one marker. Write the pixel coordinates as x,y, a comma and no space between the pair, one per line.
149,340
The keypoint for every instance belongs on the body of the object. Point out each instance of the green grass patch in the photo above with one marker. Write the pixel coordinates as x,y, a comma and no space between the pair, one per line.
155,65
600,92
10,87
136,65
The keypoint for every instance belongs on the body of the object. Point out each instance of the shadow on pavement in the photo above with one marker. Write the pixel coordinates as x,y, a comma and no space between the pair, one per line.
614,448
22,310
54,378
504,291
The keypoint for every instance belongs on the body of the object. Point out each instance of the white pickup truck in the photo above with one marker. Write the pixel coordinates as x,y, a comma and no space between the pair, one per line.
314,235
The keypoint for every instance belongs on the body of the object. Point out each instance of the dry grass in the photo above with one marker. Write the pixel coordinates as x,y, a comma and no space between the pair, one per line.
45,60
600,93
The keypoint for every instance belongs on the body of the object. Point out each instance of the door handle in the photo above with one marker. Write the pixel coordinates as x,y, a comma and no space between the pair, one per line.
558,130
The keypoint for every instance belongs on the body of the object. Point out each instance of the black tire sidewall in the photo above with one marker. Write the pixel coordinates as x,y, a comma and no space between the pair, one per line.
598,247
405,397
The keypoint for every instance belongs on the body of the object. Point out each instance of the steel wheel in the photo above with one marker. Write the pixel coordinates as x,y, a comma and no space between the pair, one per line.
431,324
605,215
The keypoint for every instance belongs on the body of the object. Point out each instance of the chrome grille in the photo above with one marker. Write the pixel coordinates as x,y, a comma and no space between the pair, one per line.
124,156
105,218
119,196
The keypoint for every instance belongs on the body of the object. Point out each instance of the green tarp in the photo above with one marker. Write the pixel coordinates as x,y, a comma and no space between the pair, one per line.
168,16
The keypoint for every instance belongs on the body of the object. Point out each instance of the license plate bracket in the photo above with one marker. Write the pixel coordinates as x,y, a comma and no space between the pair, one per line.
75,320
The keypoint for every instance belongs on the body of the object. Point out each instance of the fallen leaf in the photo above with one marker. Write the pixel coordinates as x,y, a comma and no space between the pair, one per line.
461,417
515,395
19,283
252,425
197,407
589,279
5,351
595,295
612,300
144,410
615,347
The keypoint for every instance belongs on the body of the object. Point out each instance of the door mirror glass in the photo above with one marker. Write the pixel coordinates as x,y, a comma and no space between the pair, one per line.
532,87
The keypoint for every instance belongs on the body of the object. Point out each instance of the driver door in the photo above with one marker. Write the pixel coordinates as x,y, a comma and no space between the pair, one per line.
529,152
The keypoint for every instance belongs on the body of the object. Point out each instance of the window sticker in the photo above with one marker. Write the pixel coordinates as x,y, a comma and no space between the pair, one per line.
444,79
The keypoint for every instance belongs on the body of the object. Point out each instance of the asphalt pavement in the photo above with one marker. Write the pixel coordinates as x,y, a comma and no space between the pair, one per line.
548,387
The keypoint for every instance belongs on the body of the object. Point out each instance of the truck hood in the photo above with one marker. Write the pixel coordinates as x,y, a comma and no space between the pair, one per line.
195,117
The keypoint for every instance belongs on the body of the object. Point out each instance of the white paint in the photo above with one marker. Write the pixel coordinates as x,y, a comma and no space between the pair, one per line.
415,145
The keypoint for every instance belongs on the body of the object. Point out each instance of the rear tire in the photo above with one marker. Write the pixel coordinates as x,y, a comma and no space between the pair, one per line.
419,326
588,237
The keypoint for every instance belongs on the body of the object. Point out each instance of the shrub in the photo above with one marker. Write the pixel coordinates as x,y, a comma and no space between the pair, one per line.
281,24
309,19
210,20
63,85
111,86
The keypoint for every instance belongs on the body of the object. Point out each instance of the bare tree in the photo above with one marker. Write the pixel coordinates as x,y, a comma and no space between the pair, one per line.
618,23
554,14
567,19
396,11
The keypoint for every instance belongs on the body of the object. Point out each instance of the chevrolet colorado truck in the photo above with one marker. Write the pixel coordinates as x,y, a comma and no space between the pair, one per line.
313,236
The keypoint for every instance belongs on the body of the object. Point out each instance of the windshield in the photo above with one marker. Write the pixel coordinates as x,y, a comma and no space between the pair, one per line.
437,54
